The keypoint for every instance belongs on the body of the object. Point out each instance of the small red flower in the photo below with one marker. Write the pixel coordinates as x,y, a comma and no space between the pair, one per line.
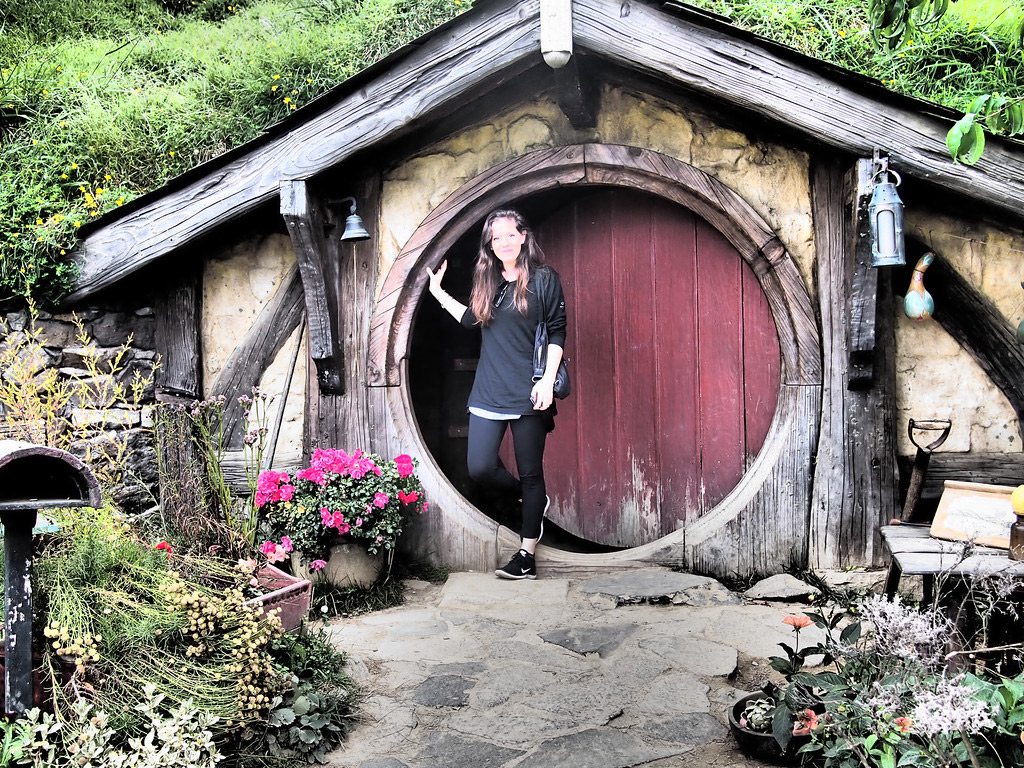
166,547
903,723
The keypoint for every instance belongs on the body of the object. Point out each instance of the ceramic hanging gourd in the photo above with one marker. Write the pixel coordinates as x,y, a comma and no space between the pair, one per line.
918,304
1020,328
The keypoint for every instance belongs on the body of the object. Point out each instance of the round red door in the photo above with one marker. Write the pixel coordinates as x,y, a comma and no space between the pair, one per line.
675,367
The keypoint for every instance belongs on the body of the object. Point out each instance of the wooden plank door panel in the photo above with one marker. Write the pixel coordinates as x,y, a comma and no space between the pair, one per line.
675,363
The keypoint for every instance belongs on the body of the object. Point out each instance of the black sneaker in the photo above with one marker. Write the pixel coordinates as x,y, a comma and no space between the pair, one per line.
521,566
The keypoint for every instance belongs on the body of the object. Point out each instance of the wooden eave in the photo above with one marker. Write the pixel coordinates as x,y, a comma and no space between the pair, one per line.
498,39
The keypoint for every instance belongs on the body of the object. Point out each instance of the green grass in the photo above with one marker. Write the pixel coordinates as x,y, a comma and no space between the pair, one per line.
101,102
89,122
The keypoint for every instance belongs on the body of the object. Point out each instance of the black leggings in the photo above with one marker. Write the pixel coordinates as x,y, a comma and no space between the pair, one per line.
485,467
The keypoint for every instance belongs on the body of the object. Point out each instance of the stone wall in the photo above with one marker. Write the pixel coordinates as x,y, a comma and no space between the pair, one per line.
119,342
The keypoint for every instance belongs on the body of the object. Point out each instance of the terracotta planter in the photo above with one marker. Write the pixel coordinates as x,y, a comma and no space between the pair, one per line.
762,746
290,595
349,565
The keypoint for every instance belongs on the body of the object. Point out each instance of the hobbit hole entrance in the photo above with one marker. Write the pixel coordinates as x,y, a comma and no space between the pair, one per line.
674,356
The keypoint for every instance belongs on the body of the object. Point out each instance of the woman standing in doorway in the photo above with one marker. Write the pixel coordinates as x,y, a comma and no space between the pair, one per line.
504,303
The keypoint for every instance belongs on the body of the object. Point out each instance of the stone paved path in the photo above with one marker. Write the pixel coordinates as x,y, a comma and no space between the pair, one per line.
557,673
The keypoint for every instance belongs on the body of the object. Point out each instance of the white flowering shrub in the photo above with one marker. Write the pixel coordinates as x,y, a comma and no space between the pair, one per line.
180,737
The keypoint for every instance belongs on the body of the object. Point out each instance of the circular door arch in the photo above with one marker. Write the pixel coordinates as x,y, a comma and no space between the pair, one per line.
724,213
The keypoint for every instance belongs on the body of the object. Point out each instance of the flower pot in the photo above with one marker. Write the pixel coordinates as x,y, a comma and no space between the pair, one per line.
759,745
349,565
290,595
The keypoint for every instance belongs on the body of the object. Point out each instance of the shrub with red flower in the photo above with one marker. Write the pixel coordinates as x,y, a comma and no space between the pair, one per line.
358,495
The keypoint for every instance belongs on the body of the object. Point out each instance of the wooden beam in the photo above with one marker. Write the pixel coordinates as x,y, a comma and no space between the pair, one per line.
434,78
257,349
305,222
178,318
576,95
864,287
855,489
706,57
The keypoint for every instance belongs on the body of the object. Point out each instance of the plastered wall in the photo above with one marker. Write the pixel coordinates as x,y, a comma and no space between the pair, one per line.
937,378
772,178
236,286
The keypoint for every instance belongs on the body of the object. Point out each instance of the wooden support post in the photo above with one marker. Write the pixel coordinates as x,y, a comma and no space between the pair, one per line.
18,608
306,228
177,313
864,285
855,489
577,96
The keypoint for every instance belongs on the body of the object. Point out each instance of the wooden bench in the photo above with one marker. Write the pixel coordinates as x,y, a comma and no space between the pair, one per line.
916,553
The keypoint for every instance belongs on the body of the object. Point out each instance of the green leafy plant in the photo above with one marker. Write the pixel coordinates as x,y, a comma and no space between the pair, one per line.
125,613
361,496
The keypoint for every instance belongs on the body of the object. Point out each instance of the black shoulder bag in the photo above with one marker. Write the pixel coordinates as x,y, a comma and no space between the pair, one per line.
562,388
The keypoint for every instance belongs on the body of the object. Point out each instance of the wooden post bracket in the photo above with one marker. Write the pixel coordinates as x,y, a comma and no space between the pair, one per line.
305,223
577,95
864,285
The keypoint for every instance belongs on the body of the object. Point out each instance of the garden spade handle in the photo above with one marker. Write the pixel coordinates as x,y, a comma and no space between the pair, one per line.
924,455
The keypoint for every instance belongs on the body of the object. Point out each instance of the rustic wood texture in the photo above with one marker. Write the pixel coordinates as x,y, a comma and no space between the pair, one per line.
672,403
577,97
305,221
976,323
177,311
257,349
864,293
346,420
606,165
854,490
435,76
685,49
761,527
990,468
500,39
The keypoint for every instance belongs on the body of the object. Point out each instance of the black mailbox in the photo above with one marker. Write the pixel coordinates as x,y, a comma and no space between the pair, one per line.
32,477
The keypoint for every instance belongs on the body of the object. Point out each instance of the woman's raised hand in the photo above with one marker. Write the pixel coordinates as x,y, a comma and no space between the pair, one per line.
436,277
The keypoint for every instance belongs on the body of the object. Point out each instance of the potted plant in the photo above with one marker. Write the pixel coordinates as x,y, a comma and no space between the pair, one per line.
775,723
341,508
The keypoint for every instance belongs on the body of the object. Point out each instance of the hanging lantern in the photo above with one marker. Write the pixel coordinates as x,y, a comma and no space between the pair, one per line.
885,214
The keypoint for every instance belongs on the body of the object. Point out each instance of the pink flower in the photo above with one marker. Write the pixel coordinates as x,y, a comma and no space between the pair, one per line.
267,487
380,538
326,517
806,722
318,565
426,505
313,475
797,622
287,491
276,555
408,498
380,500
267,547
404,465
286,544
343,528
359,522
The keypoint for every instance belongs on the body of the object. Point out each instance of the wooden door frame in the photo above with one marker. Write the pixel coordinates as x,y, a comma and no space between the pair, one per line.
788,448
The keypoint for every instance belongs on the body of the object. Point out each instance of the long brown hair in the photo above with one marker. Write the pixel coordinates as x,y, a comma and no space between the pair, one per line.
487,271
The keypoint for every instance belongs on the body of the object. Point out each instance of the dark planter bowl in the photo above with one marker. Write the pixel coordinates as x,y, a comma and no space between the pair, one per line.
762,746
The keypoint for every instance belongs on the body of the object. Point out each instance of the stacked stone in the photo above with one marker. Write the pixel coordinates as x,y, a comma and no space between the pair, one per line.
99,422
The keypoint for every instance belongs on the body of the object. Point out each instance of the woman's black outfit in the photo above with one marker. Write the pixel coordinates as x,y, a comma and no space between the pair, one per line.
501,395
